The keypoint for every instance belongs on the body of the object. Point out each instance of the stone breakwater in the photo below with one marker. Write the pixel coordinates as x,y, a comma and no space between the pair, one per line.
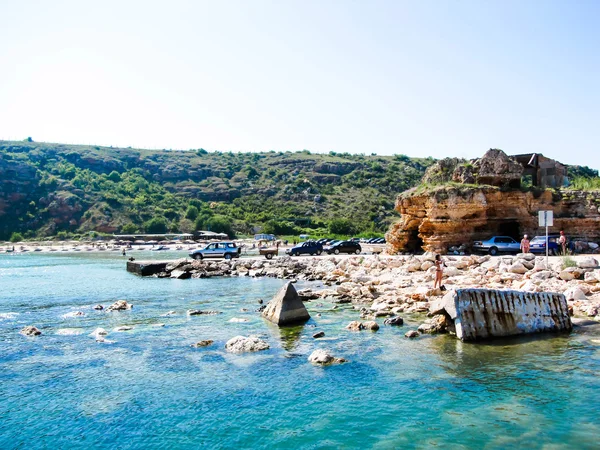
381,286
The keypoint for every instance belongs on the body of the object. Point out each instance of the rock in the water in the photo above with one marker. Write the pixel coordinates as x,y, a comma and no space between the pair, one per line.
169,313
286,307
119,305
437,324
396,320
323,358
198,312
123,328
238,320
98,307
30,331
74,314
205,343
241,344
411,334
99,332
355,326
370,325
319,334
180,274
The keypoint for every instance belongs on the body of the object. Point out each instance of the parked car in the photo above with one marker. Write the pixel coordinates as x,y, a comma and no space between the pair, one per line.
304,248
344,247
322,241
225,250
538,244
379,241
497,244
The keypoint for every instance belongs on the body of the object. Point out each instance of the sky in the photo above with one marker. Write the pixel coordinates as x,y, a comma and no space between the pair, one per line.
421,78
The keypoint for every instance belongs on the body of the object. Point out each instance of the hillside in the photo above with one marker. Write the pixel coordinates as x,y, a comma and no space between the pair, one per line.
50,189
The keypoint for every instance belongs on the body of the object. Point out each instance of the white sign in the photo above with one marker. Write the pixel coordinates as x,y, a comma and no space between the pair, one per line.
546,218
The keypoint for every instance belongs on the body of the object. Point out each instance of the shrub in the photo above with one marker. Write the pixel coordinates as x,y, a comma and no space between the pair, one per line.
16,237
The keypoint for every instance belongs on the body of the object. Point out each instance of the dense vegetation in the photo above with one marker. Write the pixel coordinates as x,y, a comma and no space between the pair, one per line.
65,190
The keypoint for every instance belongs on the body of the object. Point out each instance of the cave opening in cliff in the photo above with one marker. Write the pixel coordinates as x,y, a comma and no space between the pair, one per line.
415,243
510,228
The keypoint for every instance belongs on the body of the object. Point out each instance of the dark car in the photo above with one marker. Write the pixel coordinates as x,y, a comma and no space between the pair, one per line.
225,250
344,247
538,244
304,248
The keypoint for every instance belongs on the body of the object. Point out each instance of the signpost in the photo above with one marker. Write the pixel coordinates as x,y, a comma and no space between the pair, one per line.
546,219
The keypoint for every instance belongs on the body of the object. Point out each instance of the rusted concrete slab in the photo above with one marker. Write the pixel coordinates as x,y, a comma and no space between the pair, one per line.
486,313
146,268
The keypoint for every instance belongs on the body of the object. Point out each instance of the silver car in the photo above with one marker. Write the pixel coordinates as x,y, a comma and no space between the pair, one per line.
225,250
497,244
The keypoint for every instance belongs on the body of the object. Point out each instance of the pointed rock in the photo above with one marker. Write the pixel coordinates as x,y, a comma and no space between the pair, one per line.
286,307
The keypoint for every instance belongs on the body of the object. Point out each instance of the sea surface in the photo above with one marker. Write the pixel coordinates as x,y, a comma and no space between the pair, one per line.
148,388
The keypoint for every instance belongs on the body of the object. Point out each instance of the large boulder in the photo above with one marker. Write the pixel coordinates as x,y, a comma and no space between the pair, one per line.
286,307
498,169
241,344
587,263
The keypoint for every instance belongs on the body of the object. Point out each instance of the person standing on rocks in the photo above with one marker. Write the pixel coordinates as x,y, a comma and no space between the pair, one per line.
525,244
562,241
439,271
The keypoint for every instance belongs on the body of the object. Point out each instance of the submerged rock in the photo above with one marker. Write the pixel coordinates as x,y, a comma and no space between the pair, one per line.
198,312
411,334
319,334
30,331
241,344
396,320
123,328
98,307
323,358
205,343
355,326
238,320
286,307
119,305
73,314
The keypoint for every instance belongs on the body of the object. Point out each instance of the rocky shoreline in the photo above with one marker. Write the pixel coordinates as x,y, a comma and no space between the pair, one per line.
383,286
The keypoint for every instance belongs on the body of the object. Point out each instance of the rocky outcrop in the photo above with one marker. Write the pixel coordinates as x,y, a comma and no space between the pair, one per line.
286,307
242,344
449,216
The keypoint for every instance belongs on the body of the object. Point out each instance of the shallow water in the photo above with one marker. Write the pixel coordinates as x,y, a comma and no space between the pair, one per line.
147,388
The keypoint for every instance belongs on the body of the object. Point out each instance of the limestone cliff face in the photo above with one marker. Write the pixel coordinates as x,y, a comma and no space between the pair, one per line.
447,216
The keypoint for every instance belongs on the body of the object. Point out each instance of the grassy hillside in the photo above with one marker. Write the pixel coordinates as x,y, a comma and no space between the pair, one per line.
47,189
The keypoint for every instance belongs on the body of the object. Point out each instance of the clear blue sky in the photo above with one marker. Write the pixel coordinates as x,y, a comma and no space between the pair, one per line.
423,78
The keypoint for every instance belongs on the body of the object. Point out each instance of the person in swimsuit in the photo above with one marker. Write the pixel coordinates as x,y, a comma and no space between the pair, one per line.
439,271
525,244
562,241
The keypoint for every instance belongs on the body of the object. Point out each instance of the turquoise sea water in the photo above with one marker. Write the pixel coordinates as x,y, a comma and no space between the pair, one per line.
149,389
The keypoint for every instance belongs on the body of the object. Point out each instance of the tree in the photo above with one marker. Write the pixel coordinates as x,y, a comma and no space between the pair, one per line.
129,228
220,224
16,237
156,225
114,176
341,226
191,213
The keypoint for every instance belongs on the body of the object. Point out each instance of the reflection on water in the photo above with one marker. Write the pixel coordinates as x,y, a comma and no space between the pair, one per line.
150,389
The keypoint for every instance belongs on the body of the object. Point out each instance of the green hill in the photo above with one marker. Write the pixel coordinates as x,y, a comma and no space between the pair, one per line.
47,189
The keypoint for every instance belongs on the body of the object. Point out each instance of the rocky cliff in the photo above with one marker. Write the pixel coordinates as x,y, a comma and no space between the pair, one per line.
447,216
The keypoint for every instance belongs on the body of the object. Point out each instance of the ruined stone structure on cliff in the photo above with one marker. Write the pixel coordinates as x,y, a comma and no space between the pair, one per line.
466,201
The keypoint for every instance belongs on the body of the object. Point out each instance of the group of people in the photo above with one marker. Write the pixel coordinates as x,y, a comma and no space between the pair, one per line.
562,241
525,246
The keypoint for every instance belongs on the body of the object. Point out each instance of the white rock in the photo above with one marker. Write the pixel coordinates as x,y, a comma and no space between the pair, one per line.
574,293
518,268
426,265
587,263
240,344
323,357
238,320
